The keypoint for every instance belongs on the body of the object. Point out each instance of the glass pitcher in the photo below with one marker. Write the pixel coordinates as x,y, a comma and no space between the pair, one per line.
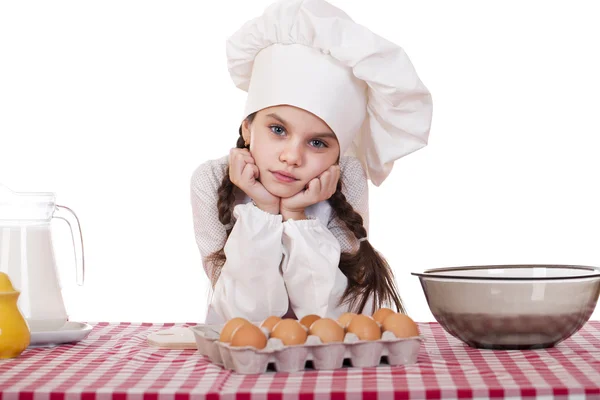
27,255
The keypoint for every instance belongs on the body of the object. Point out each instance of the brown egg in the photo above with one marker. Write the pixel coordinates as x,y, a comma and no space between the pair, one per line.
230,327
328,330
249,335
270,322
307,320
401,325
380,314
290,332
345,318
364,327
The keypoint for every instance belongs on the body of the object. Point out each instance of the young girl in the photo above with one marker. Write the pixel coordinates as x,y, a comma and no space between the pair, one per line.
282,221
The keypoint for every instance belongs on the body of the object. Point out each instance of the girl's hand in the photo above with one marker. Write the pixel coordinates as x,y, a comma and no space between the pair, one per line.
244,173
320,188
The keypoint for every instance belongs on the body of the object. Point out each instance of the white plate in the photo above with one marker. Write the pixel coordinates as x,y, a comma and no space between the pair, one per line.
70,332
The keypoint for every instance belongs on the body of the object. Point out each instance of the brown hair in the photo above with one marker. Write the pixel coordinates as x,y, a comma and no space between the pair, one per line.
367,271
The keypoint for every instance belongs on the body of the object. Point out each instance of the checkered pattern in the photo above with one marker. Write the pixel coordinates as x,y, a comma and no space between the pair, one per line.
115,362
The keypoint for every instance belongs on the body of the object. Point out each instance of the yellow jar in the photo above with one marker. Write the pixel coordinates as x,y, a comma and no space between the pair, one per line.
14,332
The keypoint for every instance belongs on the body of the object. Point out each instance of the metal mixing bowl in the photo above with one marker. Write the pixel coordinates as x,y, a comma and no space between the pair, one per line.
512,306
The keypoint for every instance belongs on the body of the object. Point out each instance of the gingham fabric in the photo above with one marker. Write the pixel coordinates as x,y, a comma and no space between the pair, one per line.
115,362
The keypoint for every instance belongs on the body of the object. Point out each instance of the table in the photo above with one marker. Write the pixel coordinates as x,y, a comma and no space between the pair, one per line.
115,362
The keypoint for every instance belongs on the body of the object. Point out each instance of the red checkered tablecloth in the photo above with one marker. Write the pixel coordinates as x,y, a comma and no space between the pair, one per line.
115,362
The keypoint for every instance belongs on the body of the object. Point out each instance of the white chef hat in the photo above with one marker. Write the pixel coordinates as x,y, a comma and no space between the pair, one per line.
312,55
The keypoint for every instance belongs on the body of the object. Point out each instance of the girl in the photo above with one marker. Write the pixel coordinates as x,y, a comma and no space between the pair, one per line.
282,221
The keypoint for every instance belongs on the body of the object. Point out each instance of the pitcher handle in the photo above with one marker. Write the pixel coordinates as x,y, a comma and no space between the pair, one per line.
69,216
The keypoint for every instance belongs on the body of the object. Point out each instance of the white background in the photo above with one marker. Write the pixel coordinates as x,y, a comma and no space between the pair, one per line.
113,104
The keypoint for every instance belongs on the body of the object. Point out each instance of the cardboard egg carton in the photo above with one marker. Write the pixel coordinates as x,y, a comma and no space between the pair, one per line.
359,353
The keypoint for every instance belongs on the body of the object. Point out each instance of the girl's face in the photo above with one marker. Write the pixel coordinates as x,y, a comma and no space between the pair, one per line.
286,140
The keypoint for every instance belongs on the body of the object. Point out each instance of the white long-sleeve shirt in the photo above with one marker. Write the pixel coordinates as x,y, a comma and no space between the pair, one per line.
273,267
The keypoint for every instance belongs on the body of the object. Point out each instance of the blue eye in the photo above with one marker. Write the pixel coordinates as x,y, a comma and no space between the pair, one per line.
278,130
318,144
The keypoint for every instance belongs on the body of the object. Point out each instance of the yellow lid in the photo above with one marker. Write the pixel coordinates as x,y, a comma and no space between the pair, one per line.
5,284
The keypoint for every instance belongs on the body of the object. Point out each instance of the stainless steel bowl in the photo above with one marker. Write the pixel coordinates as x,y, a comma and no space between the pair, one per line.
512,306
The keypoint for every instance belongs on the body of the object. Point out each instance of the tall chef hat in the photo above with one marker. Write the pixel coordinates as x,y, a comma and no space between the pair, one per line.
312,55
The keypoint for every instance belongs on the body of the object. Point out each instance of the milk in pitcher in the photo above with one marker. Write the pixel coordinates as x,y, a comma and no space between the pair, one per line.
27,256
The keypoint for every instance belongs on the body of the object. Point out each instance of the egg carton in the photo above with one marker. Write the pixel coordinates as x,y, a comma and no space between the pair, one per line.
324,356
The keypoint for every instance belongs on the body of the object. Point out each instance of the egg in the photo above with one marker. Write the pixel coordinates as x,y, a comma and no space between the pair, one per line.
230,327
365,327
290,332
249,335
380,314
307,320
401,325
328,330
345,318
270,322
